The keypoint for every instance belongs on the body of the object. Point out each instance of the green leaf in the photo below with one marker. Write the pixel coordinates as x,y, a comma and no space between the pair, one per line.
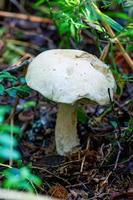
11,172
91,18
29,104
22,91
10,57
107,19
21,179
24,172
6,140
11,92
12,181
39,2
6,153
3,111
119,15
22,80
35,179
114,124
127,77
25,185
73,30
2,89
81,115
127,32
6,75
2,31
8,128
111,22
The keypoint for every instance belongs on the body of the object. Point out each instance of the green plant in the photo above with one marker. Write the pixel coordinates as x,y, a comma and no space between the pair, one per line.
21,179
14,178
87,15
16,88
127,134
7,143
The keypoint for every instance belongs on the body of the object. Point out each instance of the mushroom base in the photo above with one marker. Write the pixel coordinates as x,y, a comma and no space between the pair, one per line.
66,129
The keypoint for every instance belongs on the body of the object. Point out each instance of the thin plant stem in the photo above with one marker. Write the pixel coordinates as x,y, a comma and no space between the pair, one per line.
11,146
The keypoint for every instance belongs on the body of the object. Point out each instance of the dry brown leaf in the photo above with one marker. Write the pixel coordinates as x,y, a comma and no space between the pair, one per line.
58,191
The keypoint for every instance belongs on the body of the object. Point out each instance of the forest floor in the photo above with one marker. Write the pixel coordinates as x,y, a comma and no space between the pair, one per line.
103,167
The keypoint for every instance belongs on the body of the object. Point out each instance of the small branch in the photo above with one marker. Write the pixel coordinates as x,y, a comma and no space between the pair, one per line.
18,5
15,195
25,17
23,62
83,160
106,156
118,44
12,114
5,165
45,170
118,154
105,52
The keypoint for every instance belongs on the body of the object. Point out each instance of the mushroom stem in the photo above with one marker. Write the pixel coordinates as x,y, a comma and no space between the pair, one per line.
66,128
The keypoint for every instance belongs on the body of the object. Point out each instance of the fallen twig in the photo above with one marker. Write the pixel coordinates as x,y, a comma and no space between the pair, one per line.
31,18
83,160
43,169
118,154
120,195
23,62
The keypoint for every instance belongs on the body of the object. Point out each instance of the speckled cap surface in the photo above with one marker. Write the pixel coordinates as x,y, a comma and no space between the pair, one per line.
67,75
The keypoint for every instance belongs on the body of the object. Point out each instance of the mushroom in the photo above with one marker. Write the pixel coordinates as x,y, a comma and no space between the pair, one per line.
66,76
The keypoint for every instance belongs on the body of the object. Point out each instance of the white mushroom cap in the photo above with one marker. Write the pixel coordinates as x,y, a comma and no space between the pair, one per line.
66,75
